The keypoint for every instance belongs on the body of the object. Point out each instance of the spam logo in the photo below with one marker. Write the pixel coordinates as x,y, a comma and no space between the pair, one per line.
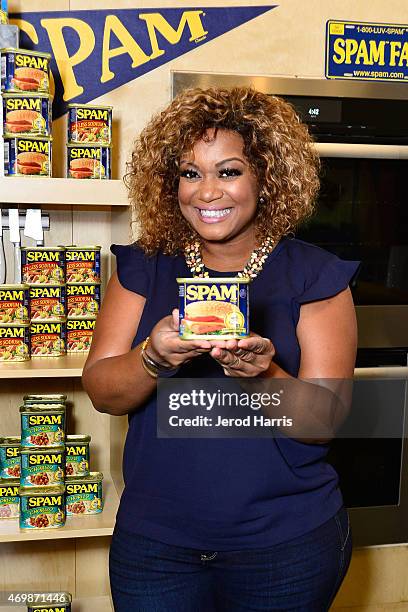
33,256
44,419
77,324
12,452
13,295
53,609
41,501
10,491
75,451
92,114
33,146
40,459
12,332
46,328
23,104
200,293
81,289
45,292
28,61
75,488
85,152
80,255
119,45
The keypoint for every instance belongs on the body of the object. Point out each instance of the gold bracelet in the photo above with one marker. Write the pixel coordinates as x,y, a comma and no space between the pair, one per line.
147,368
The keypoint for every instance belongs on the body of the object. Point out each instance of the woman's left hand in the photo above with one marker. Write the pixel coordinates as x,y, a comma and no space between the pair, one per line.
248,357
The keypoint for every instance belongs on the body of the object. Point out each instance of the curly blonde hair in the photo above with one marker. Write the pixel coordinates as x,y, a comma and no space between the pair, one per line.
276,144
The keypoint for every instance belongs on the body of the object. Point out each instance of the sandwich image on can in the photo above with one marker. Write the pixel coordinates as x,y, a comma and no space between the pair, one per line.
27,156
25,71
28,115
32,163
88,162
213,308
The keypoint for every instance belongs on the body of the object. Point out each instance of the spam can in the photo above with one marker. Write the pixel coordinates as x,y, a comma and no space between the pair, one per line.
79,335
77,455
83,301
213,308
3,17
43,265
42,507
42,467
14,342
83,264
27,156
47,398
48,302
88,161
9,498
89,124
27,114
14,304
25,71
51,602
42,425
84,494
10,457
48,338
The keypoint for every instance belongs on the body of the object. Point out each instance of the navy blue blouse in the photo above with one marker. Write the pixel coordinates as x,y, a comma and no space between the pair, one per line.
233,493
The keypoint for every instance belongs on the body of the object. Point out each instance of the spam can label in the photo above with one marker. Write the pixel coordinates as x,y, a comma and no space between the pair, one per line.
89,124
27,115
77,455
213,308
48,303
25,156
43,265
9,498
14,342
42,508
42,425
83,301
25,71
79,335
84,495
10,457
83,264
48,339
42,467
88,162
14,304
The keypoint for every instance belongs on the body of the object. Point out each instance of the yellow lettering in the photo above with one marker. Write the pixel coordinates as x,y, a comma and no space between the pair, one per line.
395,50
377,53
404,55
156,21
129,46
351,49
362,53
338,48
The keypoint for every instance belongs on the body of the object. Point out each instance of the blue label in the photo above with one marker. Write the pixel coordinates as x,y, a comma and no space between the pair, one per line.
366,51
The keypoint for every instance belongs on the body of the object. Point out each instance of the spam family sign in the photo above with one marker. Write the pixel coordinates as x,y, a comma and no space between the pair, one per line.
366,51
97,51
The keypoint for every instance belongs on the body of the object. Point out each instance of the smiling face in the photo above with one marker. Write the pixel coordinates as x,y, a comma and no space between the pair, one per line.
218,191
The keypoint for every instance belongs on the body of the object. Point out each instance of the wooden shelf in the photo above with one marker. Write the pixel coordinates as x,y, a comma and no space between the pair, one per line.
45,367
62,191
83,604
372,151
76,526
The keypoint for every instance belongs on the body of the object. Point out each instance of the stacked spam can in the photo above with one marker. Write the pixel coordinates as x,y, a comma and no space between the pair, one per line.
26,113
44,474
14,323
89,141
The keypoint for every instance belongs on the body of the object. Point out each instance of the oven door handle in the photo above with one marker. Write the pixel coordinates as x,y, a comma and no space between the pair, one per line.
400,372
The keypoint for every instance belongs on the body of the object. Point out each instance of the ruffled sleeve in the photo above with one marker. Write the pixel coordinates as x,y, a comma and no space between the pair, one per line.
132,267
326,275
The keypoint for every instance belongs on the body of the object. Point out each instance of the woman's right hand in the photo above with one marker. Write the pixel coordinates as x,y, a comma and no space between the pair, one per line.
167,348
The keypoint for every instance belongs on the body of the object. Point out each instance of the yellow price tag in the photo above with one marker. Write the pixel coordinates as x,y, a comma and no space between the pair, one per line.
337,28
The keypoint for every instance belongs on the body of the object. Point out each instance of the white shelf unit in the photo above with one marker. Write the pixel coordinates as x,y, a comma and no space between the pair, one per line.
73,558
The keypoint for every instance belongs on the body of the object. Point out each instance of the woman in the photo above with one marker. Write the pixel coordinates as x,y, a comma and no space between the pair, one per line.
218,181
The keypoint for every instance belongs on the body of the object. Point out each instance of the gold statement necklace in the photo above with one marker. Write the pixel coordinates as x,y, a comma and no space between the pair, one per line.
252,268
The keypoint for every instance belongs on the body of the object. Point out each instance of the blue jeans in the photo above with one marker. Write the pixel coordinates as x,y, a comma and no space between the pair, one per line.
303,574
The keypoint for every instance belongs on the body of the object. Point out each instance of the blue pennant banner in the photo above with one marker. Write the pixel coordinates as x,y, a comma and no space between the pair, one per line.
97,51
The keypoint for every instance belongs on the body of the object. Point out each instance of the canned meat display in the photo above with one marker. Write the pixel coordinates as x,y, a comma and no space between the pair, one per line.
27,156
27,114
48,339
83,301
77,455
88,162
42,467
84,495
14,342
52,602
14,304
42,425
25,71
9,498
10,457
89,124
42,507
213,308
83,264
43,265
79,335
48,303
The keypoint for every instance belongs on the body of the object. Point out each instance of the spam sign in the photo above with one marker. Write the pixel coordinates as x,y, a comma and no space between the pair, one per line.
97,51
366,51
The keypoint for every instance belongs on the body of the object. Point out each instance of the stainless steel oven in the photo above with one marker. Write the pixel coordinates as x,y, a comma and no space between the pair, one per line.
361,133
